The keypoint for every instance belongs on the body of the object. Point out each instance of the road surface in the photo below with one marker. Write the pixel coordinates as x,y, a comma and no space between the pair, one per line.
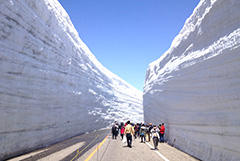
99,146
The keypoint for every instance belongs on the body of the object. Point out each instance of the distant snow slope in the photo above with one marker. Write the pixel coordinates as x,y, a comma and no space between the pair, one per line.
52,87
195,86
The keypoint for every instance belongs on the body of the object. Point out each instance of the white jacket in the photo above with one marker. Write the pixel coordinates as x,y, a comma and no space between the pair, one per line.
155,133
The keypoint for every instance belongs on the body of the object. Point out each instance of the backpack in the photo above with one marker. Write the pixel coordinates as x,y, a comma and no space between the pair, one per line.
155,135
114,128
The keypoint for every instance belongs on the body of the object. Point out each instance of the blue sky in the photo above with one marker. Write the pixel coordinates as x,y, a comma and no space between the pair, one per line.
127,35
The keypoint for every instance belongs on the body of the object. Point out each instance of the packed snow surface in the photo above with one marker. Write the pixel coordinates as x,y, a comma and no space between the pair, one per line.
52,87
194,87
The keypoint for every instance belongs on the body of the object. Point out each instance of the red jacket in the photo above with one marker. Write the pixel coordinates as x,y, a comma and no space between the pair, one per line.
122,130
162,130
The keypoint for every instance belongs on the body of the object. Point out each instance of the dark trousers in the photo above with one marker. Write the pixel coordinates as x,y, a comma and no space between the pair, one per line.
155,142
129,139
161,138
114,135
138,133
142,138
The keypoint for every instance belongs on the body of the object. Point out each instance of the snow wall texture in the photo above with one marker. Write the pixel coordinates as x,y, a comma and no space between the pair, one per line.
52,87
194,87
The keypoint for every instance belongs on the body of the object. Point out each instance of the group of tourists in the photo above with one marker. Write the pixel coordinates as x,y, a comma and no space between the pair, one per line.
143,131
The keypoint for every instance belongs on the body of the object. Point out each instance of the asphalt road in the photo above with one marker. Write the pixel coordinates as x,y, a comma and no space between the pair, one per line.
99,146
66,150
115,150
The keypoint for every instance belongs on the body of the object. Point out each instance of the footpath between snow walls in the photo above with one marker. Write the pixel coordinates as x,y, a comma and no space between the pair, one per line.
194,87
52,87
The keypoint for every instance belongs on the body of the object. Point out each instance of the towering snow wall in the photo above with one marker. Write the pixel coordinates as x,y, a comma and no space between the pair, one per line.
194,87
52,87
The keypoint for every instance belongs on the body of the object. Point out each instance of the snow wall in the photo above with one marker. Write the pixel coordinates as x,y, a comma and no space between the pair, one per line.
52,87
194,87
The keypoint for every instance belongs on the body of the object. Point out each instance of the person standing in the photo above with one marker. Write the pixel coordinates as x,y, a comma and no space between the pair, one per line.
122,131
117,128
162,131
120,127
139,127
147,133
159,128
135,131
155,136
150,128
114,131
129,131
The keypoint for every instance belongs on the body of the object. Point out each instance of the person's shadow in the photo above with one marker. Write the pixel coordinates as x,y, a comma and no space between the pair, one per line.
125,146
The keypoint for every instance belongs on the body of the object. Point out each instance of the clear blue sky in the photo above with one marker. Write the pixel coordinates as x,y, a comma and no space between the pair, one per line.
127,35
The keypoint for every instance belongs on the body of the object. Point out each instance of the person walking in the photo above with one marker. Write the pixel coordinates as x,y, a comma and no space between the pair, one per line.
149,131
162,131
155,136
143,133
129,131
